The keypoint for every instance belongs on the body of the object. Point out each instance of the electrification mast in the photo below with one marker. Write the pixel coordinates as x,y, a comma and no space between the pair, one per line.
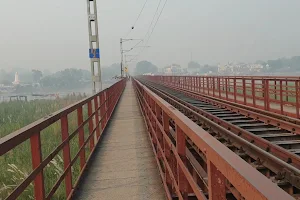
94,50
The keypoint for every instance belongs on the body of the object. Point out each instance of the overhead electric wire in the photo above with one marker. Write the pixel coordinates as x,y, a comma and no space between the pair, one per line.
156,21
149,28
152,28
136,19
153,19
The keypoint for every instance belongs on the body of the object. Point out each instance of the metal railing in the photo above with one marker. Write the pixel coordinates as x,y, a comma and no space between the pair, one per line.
99,109
276,94
169,130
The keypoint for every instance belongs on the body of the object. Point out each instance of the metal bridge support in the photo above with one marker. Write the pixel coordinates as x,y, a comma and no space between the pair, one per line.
94,50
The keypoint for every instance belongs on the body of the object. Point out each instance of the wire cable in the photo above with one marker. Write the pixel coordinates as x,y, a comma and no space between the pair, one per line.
136,19
156,21
153,19
152,28
149,28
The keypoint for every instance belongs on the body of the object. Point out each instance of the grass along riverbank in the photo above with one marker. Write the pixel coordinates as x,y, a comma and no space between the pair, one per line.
16,164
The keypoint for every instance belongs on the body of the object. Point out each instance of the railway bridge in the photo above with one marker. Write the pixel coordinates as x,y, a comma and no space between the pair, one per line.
170,137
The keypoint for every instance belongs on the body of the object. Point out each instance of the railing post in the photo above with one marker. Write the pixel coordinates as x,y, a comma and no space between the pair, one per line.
275,89
207,85
266,95
81,137
36,159
216,183
286,90
244,91
213,80
195,83
97,117
104,107
66,154
253,92
198,85
203,85
192,84
234,89
166,125
281,97
297,98
219,86
159,134
226,88
91,125
181,150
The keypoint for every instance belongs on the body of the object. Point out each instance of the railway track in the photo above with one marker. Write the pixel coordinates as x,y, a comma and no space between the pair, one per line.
268,142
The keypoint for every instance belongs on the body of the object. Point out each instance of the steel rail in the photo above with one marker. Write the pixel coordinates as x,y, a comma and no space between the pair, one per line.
273,94
270,161
286,156
294,122
242,176
257,110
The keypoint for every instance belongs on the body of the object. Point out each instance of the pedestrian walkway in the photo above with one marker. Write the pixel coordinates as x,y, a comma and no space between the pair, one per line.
123,166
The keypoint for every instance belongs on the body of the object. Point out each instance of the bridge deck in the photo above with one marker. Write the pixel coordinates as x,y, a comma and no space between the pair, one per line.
123,166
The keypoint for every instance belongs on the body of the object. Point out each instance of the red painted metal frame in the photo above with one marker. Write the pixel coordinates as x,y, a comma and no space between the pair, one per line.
108,101
222,164
277,94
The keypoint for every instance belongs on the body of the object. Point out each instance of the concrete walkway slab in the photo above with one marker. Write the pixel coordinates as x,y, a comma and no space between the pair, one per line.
123,166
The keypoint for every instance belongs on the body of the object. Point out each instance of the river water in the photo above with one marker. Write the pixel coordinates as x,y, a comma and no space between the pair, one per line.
61,93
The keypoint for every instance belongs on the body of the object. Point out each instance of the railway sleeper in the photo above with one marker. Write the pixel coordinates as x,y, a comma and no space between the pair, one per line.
252,155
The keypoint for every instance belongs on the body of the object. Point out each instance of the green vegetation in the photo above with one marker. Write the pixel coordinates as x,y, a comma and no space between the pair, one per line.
144,67
284,65
16,164
194,66
67,79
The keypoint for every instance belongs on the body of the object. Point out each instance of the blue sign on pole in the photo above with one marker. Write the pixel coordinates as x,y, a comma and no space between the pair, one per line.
94,53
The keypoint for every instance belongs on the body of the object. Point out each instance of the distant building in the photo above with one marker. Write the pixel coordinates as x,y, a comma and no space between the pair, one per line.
17,81
239,68
172,70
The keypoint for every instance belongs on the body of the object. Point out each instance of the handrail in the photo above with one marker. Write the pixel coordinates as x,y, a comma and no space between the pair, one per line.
224,167
99,109
276,94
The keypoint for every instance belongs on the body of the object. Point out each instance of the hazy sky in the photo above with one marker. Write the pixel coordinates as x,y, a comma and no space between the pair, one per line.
52,34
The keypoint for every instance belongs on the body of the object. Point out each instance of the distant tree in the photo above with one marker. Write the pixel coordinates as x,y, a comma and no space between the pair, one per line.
208,69
193,65
294,63
144,67
36,75
275,64
46,72
5,82
111,71
261,62
67,79
3,75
